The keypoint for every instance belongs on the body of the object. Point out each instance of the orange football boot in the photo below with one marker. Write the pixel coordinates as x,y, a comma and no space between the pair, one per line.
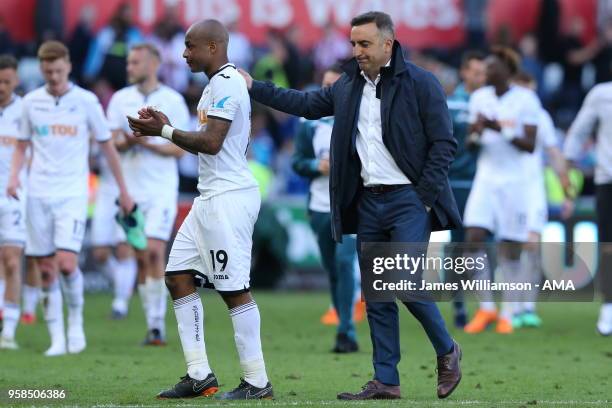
481,321
504,326
330,318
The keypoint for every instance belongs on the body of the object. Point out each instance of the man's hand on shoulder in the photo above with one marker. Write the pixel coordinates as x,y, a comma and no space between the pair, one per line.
247,78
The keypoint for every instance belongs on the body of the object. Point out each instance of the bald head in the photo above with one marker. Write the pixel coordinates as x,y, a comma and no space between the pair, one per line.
206,46
209,31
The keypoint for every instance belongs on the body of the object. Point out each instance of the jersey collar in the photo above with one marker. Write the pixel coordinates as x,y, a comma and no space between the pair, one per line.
227,65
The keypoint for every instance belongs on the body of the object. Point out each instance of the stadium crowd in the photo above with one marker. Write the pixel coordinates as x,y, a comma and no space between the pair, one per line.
564,67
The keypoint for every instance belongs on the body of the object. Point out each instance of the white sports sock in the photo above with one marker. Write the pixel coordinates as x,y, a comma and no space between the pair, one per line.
190,319
54,312
124,280
485,296
11,318
158,303
246,321
144,301
109,267
2,289
73,288
129,269
31,294
511,273
532,266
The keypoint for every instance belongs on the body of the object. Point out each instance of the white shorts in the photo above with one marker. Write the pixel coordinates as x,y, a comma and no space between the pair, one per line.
159,213
103,224
498,208
12,221
216,239
55,224
537,213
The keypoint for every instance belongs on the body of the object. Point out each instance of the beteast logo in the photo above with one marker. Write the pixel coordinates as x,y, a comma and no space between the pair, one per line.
55,130
8,141
202,118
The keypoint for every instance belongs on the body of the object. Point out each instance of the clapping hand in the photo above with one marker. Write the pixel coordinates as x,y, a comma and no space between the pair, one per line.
149,123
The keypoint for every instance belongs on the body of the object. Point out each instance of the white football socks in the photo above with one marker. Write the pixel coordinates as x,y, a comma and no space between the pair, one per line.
485,296
2,289
511,272
73,288
143,293
124,279
54,313
246,321
31,294
11,318
158,298
190,319
532,266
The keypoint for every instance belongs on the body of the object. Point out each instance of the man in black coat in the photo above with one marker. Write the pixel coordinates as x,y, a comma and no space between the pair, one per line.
391,148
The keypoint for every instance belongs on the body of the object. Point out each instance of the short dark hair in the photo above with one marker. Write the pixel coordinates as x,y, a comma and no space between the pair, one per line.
383,21
8,62
508,56
469,56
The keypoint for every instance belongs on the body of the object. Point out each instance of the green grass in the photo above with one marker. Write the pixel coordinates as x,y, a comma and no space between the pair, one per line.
562,364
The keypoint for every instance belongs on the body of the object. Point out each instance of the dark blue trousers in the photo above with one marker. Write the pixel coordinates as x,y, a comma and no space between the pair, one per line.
397,216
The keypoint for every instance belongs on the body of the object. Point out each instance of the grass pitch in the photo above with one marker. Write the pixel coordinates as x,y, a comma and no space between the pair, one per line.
565,363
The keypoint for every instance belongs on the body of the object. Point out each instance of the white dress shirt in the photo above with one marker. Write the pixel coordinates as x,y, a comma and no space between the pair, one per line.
377,164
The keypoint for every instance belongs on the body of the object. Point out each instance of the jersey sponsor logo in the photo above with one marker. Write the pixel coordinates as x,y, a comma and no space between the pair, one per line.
8,141
202,118
221,103
55,130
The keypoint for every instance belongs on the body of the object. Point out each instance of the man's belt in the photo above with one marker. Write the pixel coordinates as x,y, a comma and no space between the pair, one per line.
383,188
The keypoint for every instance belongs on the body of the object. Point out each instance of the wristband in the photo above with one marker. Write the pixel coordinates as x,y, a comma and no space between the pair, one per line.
167,131
508,133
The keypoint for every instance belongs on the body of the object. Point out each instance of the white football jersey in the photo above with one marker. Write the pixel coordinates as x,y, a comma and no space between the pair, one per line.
499,160
545,138
59,129
147,173
319,187
10,116
226,98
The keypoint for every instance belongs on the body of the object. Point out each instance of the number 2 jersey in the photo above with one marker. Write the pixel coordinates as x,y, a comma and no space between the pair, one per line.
226,98
10,116
59,129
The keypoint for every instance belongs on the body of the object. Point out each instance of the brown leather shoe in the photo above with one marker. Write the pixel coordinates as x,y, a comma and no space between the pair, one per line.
449,371
373,390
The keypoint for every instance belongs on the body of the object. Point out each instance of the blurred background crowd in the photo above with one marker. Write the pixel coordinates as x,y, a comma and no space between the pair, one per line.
565,44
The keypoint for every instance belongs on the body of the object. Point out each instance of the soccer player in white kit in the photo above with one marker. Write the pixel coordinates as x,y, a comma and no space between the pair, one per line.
151,173
57,121
214,243
12,211
504,118
546,145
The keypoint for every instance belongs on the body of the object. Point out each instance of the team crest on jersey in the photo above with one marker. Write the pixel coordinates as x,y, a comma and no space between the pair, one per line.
7,141
202,118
